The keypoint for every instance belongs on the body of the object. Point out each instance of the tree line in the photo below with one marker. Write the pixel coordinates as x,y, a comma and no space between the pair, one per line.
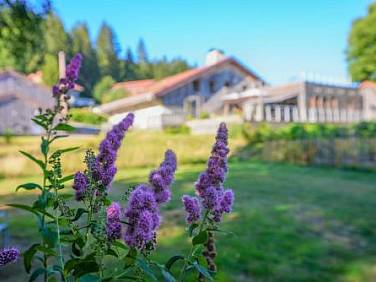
32,35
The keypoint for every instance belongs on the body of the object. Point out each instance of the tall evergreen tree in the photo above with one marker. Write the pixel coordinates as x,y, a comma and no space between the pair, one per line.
56,39
21,36
142,55
89,73
107,52
129,58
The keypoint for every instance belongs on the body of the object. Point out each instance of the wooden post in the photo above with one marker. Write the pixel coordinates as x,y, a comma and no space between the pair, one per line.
62,74
62,64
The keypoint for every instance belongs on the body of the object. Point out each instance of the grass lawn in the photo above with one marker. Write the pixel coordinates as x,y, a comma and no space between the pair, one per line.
291,223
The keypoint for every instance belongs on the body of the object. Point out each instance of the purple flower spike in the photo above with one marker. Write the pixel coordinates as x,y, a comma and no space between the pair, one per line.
143,213
9,255
192,207
80,184
113,226
227,201
209,186
162,178
104,169
72,71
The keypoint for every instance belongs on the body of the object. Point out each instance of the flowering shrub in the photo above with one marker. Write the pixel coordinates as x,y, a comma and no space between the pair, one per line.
77,239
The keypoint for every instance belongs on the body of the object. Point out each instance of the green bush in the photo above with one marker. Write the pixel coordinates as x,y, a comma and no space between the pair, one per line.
8,135
181,129
204,115
260,133
87,116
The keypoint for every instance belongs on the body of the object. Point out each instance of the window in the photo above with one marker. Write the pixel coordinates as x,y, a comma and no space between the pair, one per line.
196,86
211,86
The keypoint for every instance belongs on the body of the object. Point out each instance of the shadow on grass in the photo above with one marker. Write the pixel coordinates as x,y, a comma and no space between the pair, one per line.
290,223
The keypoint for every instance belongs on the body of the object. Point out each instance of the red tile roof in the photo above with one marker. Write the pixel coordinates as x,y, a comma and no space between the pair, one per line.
134,87
160,88
368,84
170,83
163,86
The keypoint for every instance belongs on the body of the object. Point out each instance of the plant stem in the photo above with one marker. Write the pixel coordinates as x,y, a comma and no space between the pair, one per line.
45,264
202,224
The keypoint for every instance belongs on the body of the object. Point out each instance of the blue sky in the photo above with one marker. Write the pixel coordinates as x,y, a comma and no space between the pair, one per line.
277,39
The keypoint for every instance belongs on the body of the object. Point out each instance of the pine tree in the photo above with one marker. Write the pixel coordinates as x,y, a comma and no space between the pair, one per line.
107,52
56,39
141,52
129,58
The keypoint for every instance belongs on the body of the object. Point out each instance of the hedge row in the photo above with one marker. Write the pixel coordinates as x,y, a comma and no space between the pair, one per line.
264,132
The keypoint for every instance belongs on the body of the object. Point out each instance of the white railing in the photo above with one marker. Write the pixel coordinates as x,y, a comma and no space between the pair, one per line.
290,113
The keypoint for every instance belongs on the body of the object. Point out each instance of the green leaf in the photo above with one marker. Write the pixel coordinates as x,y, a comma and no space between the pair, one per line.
79,213
203,271
111,252
28,256
64,127
132,253
49,252
130,257
66,178
120,245
31,157
44,200
89,278
49,236
85,267
36,274
40,123
144,266
66,150
70,264
192,227
172,260
200,238
221,231
29,186
35,211
166,274
76,249
44,146
58,137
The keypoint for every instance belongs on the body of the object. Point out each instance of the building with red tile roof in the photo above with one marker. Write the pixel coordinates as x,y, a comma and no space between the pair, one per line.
190,92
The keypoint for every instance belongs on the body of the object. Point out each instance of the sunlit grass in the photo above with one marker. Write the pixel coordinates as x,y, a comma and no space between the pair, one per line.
289,223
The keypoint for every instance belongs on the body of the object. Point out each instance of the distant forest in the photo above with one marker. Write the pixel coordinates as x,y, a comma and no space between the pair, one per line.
31,35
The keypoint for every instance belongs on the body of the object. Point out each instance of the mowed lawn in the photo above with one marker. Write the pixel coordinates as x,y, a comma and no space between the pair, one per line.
290,223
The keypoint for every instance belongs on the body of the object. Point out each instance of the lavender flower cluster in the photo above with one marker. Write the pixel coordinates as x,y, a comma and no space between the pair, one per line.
67,83
113,226
9,255
209,187
142,213
102,168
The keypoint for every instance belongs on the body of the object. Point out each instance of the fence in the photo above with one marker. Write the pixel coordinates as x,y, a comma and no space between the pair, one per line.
287,113
347,152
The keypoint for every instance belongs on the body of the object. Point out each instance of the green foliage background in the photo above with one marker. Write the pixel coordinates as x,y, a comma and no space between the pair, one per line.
31,36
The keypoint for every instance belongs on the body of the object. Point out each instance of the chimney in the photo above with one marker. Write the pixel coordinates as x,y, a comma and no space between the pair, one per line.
214,56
